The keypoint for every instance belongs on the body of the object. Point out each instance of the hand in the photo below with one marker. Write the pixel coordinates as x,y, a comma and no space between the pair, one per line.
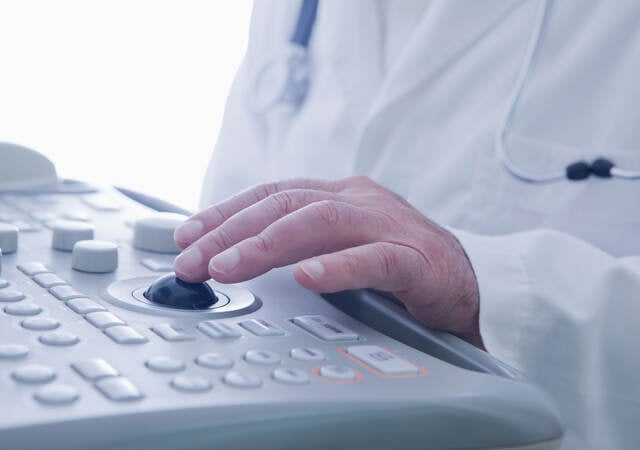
345,234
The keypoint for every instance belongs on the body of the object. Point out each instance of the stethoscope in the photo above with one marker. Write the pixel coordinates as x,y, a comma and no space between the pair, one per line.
284,78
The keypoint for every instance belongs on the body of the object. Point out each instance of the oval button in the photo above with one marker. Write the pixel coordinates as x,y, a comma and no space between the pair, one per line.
40,323
13,351
191,384
213,360
290,376
262,357
25,308
57,394
59,339
165,364
34,374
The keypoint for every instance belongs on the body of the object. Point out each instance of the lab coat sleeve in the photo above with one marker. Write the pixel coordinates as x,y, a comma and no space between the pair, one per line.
568,315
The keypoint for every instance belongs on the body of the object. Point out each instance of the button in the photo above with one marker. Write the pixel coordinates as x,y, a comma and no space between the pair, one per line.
57,394
94,369
103,319
24,308
40,323
382,360
66,292
67,232
307,354
8,238
84,306
191,384
290,376
262,357
95,256
261,328
76,215
34,374
218,330
155,233
156,265
338,373
32,268
172,333
214,360
13,351
11,295
241,380
102,202
59,339
3,283
165,364
47,280
325,329
119,389
123,334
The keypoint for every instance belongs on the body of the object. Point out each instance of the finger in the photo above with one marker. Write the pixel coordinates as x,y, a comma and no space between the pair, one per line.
318,228
213,216
191,265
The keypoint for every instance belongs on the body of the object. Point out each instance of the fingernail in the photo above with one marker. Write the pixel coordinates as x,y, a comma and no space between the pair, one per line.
189,261
314,269
188,231
226,261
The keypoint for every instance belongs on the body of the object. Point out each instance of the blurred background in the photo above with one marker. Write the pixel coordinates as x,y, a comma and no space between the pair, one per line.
124,92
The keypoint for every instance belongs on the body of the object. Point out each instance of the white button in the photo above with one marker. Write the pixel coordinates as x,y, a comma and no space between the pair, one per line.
40,323
3,283
338,373
290,376
218,330
8,238
382,360
95,256
94,369
165,364
67,232
24,308
11,295
119,389
155,233
156,265
13,351
262,357
32,268
307,354
103,319
261,328
59,339
214,360
84,305
47,280
191,383
324,328
102,202
66,292
34,374
57,394
123,334
76,215
172,333
241,380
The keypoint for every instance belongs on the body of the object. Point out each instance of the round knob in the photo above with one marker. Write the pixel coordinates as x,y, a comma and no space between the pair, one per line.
95,256
155,233
175,293
68,232
8,238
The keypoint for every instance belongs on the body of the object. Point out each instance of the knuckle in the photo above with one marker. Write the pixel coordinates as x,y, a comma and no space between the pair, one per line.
349,264
265,190
220,239
283,203
387,260
328,212
263,242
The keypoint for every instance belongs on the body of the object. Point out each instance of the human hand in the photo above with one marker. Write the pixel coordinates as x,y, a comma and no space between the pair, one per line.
345,234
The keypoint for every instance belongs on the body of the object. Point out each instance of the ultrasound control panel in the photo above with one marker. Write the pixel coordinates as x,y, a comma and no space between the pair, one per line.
89,360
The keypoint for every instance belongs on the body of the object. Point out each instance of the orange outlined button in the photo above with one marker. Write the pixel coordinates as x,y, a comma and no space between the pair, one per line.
383,362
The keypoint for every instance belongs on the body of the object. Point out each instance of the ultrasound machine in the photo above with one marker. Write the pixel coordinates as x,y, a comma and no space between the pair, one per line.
102,348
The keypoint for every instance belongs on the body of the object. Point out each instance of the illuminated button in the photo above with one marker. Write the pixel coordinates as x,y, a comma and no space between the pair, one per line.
57,394
11,295
261,357
165,364
119,389
212,360
338,373
40,323
84,306
157,265
172,333
59,339
307,354
191,383
94,369
65,292
67,232
25,308
103,319
382,360
290,376
34,374
13,351
3,283
218,330
261,328
102,202
123,334
47,280
94,256
76,215
325,329
241,380
8,238
32,268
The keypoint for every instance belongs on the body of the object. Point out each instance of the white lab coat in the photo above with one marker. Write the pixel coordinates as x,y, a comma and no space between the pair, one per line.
558,264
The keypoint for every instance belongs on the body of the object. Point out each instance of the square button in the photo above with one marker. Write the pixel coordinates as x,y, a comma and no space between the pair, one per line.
94,369
119,389
172,333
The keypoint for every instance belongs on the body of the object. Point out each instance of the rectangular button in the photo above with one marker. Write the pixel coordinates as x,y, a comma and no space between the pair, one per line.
119,389
84,306
261,327
65,292
172,333
103,319
382,360
123,334
218,330
32,268
47,280
94,369
324,328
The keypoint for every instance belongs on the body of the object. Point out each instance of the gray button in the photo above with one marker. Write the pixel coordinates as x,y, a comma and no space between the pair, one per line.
67,232
3,283
324,328
32,268
57,394
59,339
155,233
8,238
123,334
290,376
47,280
76,215
262,357
212,360
157,265
103,319
34,374
40,323
382,360
84,305
172,333
191,384
24,308
94,369
13,351
261,328
66,292
218,330
165,364
119,389
95,256
241,380
307,354
11,295
338,373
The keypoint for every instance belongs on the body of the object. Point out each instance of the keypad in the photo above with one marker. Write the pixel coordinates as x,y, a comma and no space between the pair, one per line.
34,374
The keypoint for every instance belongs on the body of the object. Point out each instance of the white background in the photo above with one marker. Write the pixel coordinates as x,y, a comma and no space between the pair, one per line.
124,92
